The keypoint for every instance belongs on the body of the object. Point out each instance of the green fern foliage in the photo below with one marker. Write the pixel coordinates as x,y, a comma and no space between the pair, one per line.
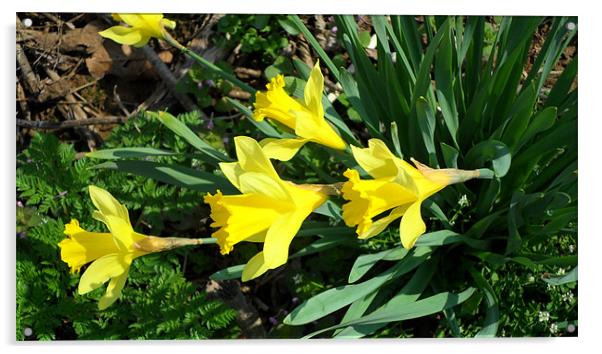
158,302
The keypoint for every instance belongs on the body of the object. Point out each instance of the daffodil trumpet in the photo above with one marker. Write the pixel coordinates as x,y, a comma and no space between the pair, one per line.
397,187
111,254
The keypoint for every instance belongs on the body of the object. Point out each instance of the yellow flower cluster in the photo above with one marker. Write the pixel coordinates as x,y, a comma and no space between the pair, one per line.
268,210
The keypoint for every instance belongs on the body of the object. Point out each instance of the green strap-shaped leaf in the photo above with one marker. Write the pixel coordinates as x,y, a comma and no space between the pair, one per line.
334,299
426,124
420,308
365,262
423,78
325,243
294,19
263,126
355,311
542,121
410,292
179,128
444,75
514,222
492,315
569,277
128,152
234,272
446,237
172,174
563,85
490,150
351,91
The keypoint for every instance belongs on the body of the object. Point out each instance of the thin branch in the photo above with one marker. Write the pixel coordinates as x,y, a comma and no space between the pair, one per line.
42,124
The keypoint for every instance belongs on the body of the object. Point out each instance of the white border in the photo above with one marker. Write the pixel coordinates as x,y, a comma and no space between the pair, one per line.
589,160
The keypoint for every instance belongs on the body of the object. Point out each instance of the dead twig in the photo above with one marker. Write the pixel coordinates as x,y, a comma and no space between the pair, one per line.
169,80
119,102
239,94
58,21
247,316
245,73
22,99
75,112
42,124
31,80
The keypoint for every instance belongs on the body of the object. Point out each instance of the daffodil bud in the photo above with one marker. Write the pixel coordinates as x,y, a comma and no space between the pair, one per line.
445,176
152,244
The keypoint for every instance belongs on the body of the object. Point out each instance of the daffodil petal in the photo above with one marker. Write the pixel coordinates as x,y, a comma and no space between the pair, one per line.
282,149
381,224
252,158
123,234
376,159
314,88
259,183
123,35
279,237
150,23
317,129
255,267
168,23
107,204
232,171
113,291
411,226
101,270
258,237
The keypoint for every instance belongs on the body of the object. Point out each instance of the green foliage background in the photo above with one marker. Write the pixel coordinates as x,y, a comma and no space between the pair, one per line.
161,302
500,255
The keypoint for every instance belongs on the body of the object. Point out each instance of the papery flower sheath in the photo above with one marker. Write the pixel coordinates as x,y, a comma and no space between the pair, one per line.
141,28
269,210
111,253
305,118
396,186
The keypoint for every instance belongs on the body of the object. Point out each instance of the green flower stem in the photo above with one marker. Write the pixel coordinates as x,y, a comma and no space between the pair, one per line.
226,75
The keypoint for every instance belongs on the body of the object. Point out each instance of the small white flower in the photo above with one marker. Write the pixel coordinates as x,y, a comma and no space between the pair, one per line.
571,248
561,271
463,201
567,297
553,328
544,316
530,278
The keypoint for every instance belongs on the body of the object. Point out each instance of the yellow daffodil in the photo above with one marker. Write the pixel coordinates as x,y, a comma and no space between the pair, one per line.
396,186
141,28
269,210
111,253
305,118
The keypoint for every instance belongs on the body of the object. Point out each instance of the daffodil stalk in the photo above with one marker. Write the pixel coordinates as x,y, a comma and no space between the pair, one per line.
111,253
226,75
